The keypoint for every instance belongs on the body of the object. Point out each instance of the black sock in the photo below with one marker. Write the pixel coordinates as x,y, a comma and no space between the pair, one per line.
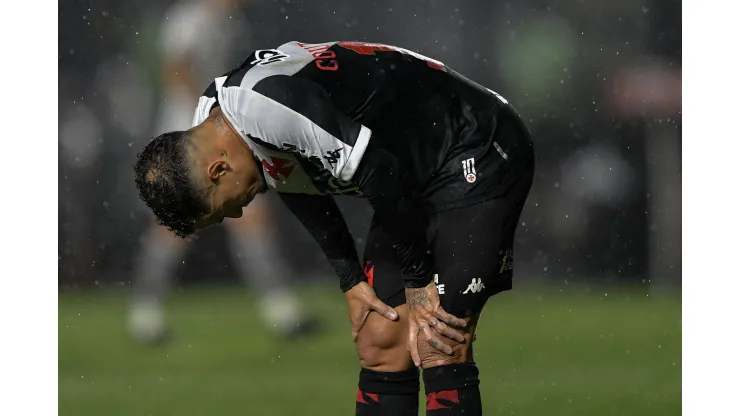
452,390
388,394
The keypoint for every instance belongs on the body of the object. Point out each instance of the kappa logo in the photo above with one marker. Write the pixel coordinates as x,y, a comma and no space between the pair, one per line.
469,169
332,157
475,286
268,56
279,170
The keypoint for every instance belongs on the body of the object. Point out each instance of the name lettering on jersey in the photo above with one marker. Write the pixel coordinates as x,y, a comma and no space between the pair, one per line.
268,56
469,169
291,148
279,169
323,57
324,181
364,48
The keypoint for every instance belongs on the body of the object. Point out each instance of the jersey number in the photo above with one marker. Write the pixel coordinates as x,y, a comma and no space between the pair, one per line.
370,48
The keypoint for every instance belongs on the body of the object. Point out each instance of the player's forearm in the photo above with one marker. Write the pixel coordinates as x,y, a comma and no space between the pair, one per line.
380,180
323,220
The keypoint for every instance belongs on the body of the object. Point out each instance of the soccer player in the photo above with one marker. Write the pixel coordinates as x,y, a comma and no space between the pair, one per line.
445,163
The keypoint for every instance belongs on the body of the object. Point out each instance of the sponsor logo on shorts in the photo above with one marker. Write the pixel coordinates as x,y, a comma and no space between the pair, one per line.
440,288
475,286
469,169
507,262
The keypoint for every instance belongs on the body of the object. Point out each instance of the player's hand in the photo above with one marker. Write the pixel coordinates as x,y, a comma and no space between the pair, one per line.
427,316
361,300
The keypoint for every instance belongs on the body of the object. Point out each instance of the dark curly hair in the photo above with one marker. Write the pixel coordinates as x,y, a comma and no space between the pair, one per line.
164,183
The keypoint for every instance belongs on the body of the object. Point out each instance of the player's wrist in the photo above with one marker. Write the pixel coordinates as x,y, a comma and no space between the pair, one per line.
418,282
347,284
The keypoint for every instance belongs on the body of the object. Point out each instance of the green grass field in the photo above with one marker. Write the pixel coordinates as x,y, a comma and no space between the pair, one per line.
539,353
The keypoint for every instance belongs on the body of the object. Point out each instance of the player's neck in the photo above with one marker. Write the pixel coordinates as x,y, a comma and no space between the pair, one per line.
222,134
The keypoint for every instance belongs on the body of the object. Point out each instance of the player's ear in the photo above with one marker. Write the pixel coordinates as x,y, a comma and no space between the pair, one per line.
217,169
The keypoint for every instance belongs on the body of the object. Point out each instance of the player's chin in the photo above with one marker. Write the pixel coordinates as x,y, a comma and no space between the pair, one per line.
247,200
237,213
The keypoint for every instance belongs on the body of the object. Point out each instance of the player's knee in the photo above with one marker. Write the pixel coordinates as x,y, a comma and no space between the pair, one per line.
381,343
462,352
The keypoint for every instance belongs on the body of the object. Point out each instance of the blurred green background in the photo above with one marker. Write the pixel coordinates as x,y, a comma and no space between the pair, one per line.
540,351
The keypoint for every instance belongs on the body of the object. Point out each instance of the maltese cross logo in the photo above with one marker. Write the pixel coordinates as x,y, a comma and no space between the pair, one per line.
278,168
469,169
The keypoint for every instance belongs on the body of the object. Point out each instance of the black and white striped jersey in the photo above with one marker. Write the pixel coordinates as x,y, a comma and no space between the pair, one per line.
308,111
402,130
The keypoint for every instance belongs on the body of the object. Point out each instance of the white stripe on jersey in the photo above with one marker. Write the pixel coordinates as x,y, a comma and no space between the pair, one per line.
272,122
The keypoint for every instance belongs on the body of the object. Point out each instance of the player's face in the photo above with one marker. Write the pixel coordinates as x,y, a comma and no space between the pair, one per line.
230,208
235,189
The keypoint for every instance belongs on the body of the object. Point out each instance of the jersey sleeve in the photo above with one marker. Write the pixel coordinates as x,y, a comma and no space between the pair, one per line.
397,209
295,113
320,215
206,102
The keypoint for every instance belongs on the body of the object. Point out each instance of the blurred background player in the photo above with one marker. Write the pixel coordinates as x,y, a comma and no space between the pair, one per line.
188,59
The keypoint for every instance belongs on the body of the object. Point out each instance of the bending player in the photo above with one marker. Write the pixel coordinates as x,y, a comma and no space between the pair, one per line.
445,163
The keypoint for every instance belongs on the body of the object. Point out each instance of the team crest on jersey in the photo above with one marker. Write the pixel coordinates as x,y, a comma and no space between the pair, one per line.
279,170
268,56
469,169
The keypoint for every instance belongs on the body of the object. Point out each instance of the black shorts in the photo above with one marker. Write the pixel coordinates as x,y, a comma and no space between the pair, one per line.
472,247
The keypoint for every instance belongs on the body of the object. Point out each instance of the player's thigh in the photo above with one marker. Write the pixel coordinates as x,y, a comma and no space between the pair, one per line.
381,343
474,250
